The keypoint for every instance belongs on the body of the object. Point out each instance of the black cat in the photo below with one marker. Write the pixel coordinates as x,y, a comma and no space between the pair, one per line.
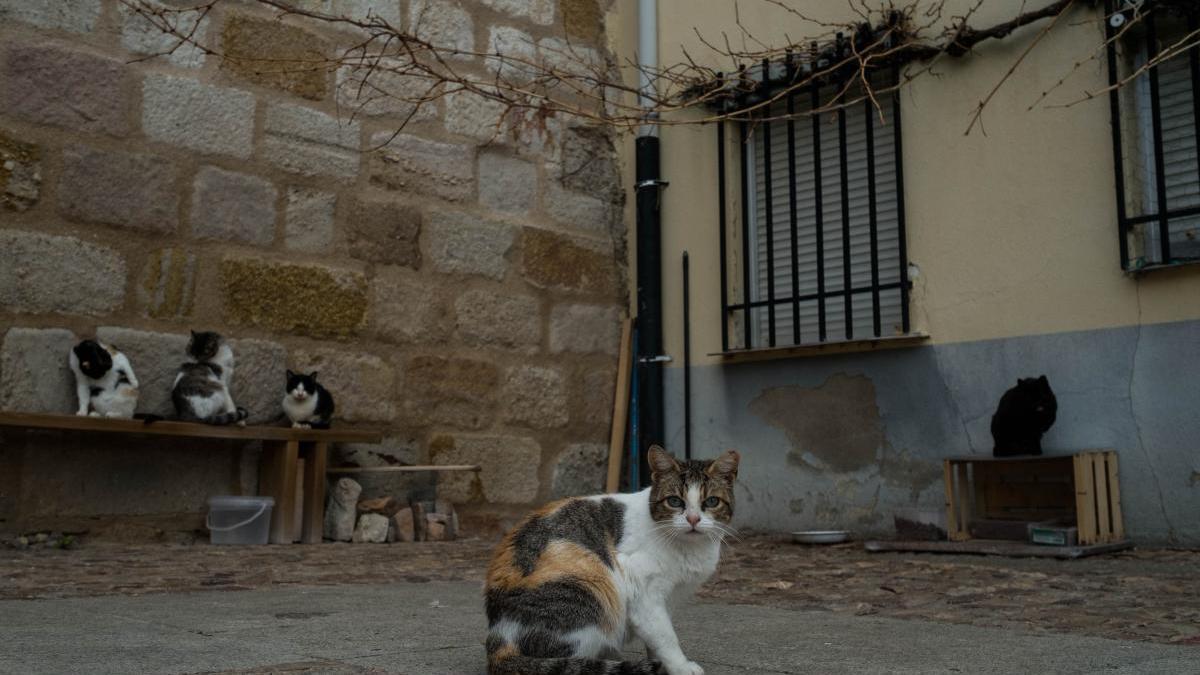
1025,413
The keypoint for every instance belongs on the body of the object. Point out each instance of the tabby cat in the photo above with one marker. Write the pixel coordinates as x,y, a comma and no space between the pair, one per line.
201,390
576,579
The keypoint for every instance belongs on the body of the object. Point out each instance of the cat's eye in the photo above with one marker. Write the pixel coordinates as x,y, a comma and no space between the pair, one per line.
712,502
675,502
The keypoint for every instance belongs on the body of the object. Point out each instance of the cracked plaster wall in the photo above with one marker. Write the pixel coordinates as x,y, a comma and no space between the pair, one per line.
843,441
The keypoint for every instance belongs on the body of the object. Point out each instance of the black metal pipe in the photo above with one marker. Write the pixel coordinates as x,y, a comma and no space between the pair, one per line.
813,296
899,160
687,360
721,208
1114,105
649,301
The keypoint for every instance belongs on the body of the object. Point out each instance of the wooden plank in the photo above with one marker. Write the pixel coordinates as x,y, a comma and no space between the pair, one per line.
314,493
190,429
403,469
1085,510
992,547
616,439
281,466
1114,496
1100,481
298,506
952,528
966,501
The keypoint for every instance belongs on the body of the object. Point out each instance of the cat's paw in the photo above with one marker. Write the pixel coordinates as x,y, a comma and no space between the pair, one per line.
685,668
297,425
81,413
93,414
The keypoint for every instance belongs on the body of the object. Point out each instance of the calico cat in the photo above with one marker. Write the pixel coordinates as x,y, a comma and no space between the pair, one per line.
573,581
104,381
307,404
201,390
1025,413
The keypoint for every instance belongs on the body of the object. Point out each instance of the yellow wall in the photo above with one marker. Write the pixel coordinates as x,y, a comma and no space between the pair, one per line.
1014,231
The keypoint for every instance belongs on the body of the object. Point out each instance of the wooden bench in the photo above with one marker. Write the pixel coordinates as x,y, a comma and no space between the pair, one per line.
282,449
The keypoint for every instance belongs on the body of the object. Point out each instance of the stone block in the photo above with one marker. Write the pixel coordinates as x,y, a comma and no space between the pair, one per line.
435,527
55,86
420,166
540,12
76,16
558,261
385,87
168,286
308,224
118,188
451,391
578,210
140,35
584,329
385,232
506,184
35,375
314,300
485,318
514,48
363,385
232,206
594,397
444,23
372,528
20,174
274,54
341,508
479,117
188,114
155,358
358,10
384,506
420,525
569,57
508,467
41,274
403,525
461,243
582,19
581,469
589,162
259,378
535,397
404,449
309,142
406,309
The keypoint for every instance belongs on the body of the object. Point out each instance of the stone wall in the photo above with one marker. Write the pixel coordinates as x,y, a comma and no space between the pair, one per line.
459,287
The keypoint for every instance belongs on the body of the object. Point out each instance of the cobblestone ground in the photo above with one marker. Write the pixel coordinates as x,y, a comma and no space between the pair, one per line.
1150,595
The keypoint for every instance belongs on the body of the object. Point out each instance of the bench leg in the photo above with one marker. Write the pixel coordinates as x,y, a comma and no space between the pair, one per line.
314,492
279,481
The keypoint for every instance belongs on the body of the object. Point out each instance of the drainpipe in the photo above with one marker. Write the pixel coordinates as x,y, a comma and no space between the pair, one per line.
648,184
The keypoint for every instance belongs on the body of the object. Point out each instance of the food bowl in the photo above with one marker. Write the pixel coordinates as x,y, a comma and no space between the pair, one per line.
820,537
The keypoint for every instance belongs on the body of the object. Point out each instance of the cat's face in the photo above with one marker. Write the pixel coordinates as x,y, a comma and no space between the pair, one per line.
203,346
94,359
1038,395
695,496
301,386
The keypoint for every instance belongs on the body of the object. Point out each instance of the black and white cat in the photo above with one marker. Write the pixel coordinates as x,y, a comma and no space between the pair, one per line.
104,381
1026,411
306,402
201,390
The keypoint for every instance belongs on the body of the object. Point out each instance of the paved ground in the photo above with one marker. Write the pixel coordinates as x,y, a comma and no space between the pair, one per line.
435,629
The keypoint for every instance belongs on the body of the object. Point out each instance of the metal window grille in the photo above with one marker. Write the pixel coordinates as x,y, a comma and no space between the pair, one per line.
1155,126
822,222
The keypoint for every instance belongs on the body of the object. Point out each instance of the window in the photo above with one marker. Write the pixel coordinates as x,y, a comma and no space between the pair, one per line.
822,254
1156,120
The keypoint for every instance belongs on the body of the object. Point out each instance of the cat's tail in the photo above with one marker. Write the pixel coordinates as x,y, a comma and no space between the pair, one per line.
511,663
234,417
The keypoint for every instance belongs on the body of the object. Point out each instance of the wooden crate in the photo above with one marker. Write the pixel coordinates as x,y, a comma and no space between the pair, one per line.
1082,488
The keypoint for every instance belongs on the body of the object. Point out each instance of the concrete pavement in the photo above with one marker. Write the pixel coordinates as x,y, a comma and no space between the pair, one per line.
437,629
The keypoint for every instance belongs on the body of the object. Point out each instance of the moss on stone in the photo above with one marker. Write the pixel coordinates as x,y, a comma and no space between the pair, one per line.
582,19
15,154
557,261
168,283
277,55
307,299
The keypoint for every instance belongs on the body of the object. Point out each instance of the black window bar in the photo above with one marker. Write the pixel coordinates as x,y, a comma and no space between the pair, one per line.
1157,160
793,298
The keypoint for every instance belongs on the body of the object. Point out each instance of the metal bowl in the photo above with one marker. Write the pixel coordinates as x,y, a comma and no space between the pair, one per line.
821,537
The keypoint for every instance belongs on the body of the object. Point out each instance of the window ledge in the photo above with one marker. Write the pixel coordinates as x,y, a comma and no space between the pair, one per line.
1133,272
824,348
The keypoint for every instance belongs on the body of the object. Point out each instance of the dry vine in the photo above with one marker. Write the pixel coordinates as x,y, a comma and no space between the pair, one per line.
557,77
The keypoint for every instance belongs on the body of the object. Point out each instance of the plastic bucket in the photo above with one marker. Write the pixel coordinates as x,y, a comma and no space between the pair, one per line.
239,520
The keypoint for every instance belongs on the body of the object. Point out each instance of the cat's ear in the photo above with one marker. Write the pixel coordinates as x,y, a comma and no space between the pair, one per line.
313,374
726,465
193,333
290,374
1043,380
660,461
